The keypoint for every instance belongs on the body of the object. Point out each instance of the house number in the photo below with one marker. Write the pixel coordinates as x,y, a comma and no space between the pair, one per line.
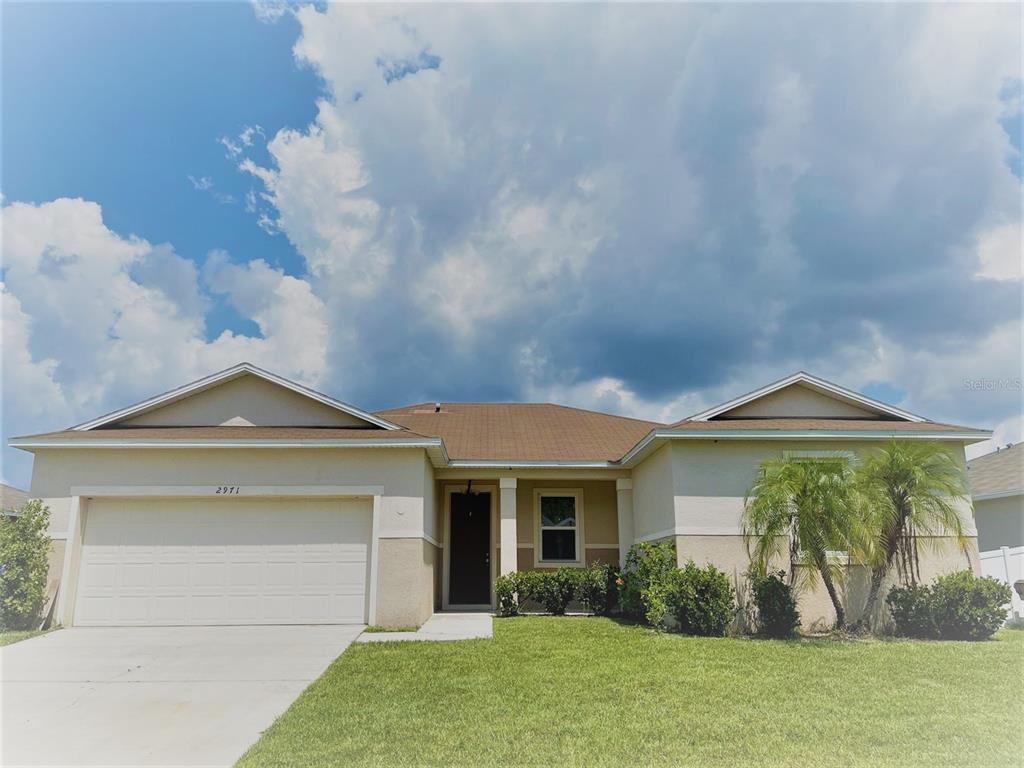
230,489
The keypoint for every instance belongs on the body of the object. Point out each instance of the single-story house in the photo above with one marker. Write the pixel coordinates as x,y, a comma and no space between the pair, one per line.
997,489
245,498
996,481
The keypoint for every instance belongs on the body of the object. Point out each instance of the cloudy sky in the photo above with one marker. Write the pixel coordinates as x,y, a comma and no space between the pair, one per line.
639,209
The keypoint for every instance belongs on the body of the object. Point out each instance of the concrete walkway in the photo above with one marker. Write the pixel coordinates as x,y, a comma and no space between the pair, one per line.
149,696
440,626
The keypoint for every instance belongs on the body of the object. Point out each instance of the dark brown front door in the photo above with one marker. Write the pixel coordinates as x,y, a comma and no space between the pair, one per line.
469,563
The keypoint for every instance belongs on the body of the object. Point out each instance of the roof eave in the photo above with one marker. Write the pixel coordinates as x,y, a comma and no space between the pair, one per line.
656,436
29,443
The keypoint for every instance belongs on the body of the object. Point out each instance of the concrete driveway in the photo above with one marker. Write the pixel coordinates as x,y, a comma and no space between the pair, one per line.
182,696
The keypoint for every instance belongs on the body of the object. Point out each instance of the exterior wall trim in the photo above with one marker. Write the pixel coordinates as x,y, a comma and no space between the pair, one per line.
396,442
411,534
68,589
200,491
796,434
447,490
998,495
581,558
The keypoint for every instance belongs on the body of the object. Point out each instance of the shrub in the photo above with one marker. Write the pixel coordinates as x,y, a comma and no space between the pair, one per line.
777,615
555,589
596,588
24,552
701,600
506,589
958,606
645,579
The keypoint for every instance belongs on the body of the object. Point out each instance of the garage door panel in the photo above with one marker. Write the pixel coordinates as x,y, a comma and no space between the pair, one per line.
173,562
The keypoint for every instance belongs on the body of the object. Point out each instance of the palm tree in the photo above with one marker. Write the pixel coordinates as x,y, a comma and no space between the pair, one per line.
908,490
805,503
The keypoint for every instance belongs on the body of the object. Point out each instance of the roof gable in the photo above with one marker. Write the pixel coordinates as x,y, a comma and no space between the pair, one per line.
803,396
243,395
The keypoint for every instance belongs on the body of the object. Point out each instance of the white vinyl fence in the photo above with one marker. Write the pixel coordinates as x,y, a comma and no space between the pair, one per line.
1007,565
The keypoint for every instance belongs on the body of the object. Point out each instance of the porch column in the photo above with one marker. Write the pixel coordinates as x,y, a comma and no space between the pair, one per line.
507,542
624,498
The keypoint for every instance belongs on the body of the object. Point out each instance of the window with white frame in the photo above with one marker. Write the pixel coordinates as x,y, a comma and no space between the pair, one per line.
560,526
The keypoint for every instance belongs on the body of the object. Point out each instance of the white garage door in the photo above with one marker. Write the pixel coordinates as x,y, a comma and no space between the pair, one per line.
221,561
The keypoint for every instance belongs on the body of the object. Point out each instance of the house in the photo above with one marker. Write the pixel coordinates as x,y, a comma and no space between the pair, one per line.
12,499
245,498
997,489
996,481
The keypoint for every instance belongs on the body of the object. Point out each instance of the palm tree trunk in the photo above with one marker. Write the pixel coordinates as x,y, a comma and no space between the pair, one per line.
877,577
837,603
878,574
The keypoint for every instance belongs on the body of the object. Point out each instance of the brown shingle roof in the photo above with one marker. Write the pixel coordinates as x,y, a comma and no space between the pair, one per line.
523,431
825,425
997,472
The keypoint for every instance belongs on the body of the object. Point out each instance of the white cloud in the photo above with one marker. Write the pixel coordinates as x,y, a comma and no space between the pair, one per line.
93,320
202,183
1000,253
531,213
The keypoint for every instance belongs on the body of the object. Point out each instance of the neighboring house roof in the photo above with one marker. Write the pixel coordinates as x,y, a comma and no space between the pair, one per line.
215,379
11,497
523,431
996,474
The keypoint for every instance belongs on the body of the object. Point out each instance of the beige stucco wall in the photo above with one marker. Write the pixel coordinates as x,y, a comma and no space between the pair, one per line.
1000,522
401,472
407,508
257,401
405,582
709,481
797,400
653,495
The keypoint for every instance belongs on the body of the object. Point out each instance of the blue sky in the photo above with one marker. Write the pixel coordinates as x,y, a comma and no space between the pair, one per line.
123,102
410,203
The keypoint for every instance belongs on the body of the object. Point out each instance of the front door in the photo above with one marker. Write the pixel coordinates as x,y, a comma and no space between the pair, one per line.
469,561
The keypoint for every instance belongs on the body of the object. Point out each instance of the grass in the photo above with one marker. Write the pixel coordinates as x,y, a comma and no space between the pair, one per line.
375,628
9,636
587,691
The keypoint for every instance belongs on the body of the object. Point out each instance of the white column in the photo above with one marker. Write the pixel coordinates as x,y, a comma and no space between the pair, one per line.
64,612
624,498
507,542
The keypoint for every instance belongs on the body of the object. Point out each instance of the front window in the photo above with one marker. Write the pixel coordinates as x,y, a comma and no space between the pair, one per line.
559,514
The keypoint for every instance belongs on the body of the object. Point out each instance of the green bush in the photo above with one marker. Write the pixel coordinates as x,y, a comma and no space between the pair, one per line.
645,580
596,588
958,606
24,554
701,600
777,615
506,589
556,589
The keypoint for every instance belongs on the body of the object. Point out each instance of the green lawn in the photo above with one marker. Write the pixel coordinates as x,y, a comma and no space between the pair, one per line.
586,691
11,636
